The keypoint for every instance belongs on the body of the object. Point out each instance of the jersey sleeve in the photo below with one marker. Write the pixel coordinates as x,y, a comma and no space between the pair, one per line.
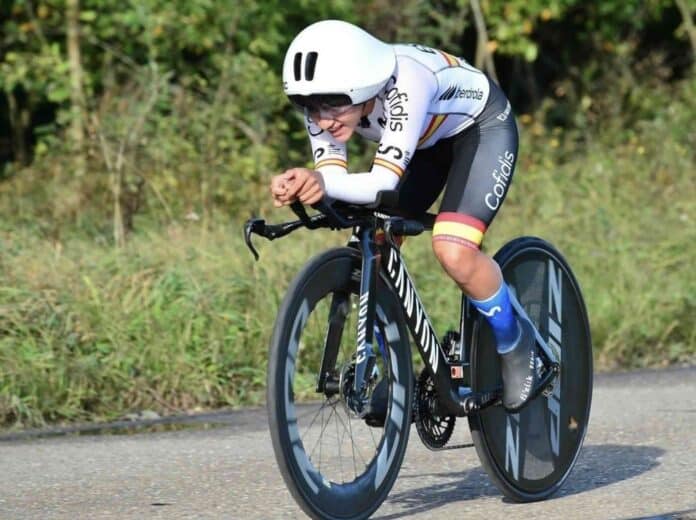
330,156
407,98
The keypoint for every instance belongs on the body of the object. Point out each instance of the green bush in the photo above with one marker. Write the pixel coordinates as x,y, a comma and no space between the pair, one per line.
180,318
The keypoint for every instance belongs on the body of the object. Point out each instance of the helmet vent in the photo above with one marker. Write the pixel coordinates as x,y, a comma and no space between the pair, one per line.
297,65
310,65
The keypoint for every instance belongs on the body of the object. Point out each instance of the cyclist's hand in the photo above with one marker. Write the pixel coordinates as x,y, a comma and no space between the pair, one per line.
301,184
280,189
312,188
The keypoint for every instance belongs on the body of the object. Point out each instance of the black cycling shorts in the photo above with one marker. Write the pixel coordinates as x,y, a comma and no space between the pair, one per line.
476,166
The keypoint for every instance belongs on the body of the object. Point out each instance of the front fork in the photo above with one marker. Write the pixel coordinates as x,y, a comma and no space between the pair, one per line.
364,355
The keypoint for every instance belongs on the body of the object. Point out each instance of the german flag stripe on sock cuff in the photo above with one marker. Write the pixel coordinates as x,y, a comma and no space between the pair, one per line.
331,162
458,226
389,166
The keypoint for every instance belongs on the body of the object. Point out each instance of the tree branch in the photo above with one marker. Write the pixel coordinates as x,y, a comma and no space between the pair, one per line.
77,97
483,55
688,23
29,8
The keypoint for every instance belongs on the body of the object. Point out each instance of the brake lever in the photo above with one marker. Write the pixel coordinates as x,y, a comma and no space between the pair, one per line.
254,225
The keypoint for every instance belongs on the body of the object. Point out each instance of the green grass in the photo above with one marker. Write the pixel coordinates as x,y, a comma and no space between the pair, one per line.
176,321
180,319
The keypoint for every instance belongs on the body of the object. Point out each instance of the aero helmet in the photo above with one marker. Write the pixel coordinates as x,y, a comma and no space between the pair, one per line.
336,63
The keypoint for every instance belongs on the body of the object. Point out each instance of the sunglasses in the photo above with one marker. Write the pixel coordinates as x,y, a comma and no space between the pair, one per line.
324,105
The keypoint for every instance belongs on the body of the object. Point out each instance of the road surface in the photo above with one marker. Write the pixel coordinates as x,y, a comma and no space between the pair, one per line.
638,461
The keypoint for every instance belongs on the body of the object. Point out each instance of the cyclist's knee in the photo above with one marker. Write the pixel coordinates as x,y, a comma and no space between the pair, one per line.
458,260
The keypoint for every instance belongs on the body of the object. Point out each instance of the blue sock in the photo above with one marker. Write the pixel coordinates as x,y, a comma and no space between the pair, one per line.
498,311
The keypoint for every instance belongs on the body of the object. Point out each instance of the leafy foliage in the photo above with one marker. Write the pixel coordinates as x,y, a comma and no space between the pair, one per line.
184,121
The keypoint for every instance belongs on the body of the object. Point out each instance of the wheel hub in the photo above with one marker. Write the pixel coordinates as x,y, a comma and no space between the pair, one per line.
356,401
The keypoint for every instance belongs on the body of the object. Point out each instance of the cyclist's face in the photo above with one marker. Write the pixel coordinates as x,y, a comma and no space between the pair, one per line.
340,122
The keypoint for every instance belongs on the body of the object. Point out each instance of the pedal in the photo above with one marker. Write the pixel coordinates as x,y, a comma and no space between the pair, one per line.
545,386
539,366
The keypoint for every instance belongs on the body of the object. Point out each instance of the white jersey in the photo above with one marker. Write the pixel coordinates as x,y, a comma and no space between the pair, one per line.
431,95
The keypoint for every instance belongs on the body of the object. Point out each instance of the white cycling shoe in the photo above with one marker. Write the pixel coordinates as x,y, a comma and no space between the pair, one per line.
518,367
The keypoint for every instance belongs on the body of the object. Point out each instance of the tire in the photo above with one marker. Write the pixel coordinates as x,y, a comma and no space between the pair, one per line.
316,437
529,454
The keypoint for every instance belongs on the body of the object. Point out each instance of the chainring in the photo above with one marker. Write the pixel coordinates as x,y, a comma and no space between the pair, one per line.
434,431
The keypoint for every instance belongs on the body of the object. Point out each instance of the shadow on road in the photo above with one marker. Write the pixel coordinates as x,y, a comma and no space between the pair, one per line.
596,467
686,514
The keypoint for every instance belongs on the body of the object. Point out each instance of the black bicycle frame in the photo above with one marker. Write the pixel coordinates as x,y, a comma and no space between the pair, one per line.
454,398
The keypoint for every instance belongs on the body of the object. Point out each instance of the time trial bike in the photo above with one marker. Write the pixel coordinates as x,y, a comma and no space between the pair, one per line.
342,395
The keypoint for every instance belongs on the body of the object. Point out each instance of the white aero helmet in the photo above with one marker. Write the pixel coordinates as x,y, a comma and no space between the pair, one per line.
336,63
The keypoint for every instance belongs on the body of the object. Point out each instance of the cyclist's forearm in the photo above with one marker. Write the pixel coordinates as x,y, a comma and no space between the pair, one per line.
358,188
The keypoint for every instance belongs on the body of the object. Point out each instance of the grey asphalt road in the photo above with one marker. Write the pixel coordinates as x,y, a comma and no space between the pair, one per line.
639,461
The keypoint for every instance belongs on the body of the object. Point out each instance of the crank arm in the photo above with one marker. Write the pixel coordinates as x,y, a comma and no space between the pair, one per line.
472,401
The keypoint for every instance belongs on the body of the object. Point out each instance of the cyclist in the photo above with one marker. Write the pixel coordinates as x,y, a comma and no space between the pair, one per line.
440,124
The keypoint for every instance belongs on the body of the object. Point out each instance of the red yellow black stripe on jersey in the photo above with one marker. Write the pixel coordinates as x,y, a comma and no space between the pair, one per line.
451,60
331,162
435,123
389,166
462,229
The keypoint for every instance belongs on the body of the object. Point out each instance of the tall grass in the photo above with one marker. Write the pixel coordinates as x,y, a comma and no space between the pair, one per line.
180,319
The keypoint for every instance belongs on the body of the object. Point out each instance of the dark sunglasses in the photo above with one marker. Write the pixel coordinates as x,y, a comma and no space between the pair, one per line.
333,104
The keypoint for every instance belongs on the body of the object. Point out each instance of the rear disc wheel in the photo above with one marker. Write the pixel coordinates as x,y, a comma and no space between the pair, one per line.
529,454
